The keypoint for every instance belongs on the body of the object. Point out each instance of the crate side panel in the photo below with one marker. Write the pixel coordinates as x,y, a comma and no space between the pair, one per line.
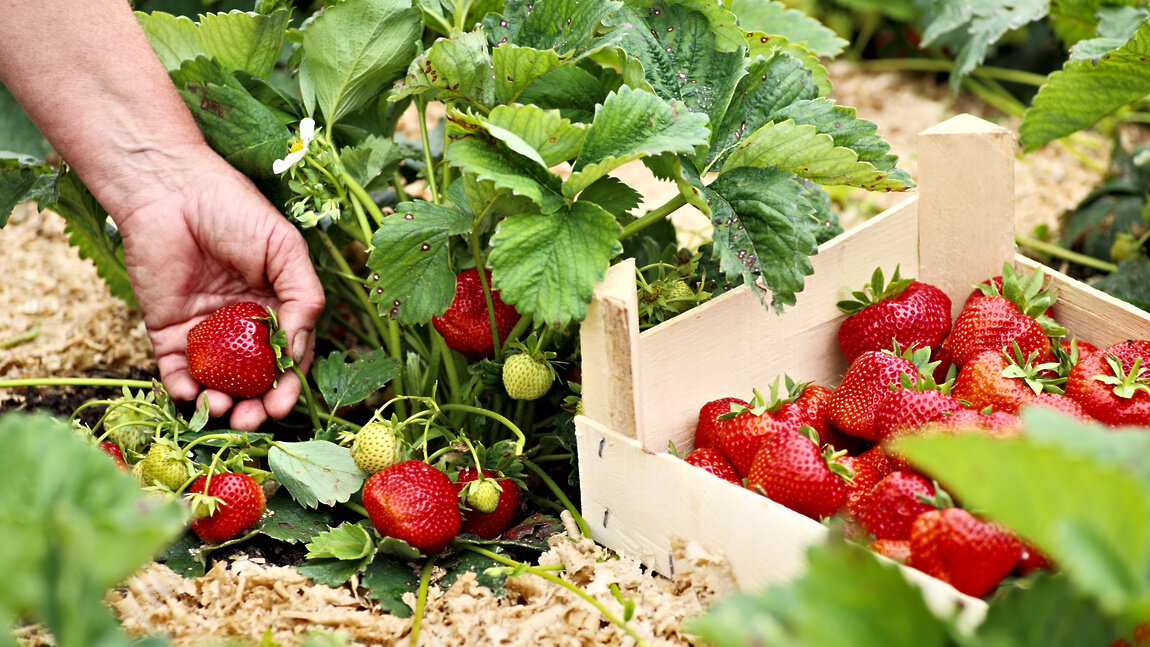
1090,314
732,344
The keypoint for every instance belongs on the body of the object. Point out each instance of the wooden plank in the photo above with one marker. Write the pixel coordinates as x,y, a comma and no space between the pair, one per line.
608,346
636,502
966,204
1090,314
691,359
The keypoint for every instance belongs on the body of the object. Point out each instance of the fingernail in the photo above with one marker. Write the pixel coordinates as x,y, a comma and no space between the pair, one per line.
299,345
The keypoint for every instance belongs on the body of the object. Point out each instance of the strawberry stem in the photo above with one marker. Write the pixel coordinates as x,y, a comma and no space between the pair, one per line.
74,381
420,601
309,399
559,494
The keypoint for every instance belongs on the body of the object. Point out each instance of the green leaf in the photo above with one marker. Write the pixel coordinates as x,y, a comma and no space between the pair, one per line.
767,45
489,159
72,527
685,57
237,40
288,522
517,67
764,231
1075,20
982,24
846,591
387,579
348,541
184,556
23,179
1116,25
612,194
1057,615
354,48
1085,91
315,471
239,127
88,231
466,561
804,151
775,18
331,572
566,26
632,124
571,90
1093,519
456,69
344,383
374,159
17,132
548,265
540,135
412,279
1130,282
846,130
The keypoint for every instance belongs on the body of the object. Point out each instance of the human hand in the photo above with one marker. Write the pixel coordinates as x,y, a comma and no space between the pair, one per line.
200,236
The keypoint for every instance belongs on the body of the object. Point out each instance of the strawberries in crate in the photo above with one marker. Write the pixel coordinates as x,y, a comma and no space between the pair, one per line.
904,311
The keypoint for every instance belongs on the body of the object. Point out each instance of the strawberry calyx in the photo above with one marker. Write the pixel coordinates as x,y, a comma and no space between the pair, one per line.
1029,295
1126,383
878,290
277,339
941,499
783,390
830,455
1024,368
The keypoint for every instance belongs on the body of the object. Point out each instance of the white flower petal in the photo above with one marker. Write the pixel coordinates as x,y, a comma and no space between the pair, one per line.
279,166
307,130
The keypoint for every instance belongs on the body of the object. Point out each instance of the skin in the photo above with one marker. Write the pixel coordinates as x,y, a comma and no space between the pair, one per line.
197,234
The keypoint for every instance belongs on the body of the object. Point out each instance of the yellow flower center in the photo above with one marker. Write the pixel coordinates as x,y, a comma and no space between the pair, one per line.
296,146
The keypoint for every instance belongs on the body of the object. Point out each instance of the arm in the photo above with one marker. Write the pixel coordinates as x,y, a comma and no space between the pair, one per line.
197,234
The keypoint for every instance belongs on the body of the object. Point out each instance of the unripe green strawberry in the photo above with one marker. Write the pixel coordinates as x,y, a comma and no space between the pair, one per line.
526,377
127,426
483,496
679,296
164,465
375,447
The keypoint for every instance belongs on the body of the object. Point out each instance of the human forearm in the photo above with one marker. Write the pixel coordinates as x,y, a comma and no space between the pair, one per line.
85,73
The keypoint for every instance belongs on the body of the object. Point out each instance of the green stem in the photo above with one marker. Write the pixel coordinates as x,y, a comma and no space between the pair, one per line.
487,297
420,602
327,417
1007,104
655,215
448,360
942,65
1058,251
357,508
364,227
27,335
309,398
74,381
559,494
356,286
425,140
521,440
558,581
365,199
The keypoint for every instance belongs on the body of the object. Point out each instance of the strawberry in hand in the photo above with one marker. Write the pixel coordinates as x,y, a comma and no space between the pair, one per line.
237,350
909,312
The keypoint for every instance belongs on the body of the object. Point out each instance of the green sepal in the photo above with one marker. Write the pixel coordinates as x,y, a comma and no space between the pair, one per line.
1126,383
878,290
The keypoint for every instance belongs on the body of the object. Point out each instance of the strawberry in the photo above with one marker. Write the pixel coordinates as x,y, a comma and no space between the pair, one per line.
869,468
812,402
999,424
414,502
240,506
164,465
998,379
894,503
1013,314
912,405
465,324
485,520
713,461
130,421
792,470
707,429
866,384
114,452
527,375
971,554
237,350
375,447
1032,559
1113,384
745,428
905,311
896,549
1058,402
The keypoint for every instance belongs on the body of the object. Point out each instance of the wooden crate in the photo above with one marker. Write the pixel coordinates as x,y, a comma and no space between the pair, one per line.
643,390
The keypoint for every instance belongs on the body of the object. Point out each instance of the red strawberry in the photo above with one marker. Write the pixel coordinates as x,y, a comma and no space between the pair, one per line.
869,468
896,549
117,456
1113,384
489,525
240,506
741,436
235,351
791,469
894,503
812,402
1031,559
867,383
414,502
911,406
713,461
465,325
956,547
994,423
707,429
905,311
1058,402
996,379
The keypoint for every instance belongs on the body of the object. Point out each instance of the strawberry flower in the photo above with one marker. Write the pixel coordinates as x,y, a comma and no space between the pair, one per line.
298,147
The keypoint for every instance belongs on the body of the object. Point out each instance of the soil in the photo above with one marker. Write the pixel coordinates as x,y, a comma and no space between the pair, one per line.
84,331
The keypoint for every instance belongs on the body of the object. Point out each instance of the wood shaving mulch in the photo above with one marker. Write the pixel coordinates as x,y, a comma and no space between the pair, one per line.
249,599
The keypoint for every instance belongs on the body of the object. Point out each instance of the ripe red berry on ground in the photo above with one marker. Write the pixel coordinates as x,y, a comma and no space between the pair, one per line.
241,505
465,325
415,502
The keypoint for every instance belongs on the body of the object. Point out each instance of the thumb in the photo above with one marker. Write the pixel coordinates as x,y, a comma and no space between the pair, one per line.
298,290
